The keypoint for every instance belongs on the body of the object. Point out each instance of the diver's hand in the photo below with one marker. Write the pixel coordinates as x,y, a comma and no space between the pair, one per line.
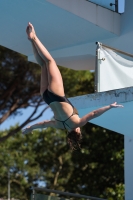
115,105
30,31
27,130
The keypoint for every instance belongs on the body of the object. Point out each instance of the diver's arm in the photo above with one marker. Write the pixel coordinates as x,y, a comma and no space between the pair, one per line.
43,124
97,113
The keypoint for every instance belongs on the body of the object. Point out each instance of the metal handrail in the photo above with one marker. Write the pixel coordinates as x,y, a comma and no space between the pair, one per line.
64,193
117,50
104,6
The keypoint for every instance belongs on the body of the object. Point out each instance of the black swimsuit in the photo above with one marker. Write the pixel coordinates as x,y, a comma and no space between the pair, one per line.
50,97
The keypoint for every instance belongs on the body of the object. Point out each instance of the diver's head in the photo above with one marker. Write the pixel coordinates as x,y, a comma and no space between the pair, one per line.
74,138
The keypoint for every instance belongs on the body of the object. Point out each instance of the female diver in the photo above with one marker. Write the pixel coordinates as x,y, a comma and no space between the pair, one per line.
52,91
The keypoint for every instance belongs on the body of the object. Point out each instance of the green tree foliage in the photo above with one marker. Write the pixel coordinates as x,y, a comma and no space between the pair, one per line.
43,157
77,83
101,163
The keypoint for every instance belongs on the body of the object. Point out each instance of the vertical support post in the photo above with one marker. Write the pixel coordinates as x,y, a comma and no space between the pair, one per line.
116,6
96,89
33,194
8,184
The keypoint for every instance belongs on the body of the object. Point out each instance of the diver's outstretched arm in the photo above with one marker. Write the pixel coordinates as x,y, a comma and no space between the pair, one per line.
97,113
43,52
38,125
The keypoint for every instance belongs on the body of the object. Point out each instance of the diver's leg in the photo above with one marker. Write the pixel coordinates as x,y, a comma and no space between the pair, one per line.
54,78
55,83
44,74
44,79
